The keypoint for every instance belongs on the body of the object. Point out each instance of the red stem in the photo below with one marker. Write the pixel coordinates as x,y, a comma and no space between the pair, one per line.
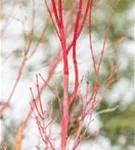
74,52
55,12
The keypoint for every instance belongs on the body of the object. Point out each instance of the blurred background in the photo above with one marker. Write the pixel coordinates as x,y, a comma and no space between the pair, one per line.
115,128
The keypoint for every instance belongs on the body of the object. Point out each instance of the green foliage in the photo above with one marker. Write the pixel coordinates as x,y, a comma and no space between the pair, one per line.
75,110
119,123
9,135
121,21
